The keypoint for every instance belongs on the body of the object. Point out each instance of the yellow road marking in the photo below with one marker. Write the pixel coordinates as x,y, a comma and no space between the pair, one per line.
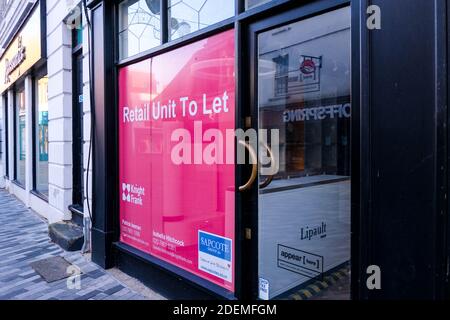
315,288
306,293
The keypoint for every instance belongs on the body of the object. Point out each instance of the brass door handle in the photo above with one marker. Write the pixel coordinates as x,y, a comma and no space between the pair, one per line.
254,174
269,179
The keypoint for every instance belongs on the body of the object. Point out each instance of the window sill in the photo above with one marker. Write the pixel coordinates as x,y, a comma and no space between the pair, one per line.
41,196
18,184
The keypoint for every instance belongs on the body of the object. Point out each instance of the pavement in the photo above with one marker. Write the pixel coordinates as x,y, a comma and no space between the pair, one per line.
24,240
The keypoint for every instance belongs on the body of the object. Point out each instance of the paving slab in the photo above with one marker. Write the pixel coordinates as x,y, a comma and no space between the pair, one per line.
24,242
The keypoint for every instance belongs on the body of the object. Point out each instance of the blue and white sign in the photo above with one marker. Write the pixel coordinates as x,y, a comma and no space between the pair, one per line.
215,255
263,289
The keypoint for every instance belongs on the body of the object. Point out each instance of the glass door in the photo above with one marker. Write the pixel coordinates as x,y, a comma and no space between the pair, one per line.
303,77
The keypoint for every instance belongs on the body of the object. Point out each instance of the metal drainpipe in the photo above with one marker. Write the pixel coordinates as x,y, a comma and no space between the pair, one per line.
88,219
87,235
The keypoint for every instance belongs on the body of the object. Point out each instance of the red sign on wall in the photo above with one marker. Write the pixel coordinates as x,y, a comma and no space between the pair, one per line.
176,157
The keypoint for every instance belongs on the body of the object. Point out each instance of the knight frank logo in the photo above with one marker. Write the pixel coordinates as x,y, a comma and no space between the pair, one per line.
133,194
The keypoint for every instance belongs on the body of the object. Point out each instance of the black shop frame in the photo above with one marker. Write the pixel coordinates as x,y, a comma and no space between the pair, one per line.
250,83
108,251
6,135
379,168
18,86
34,105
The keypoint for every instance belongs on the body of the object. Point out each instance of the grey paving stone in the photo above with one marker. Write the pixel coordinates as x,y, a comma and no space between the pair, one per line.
24,240
12,294
113,290
88,295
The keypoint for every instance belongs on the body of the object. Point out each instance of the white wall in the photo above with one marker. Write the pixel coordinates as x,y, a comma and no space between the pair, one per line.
59,66
60,104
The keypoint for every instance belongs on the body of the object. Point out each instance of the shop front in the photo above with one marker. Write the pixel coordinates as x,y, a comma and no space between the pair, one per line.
23,88
239,142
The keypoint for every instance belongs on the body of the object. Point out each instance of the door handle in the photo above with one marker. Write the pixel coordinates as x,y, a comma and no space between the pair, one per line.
254,174
269,179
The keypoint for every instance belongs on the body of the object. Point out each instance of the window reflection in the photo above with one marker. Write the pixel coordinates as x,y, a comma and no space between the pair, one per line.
139,26
21,134
140,21
42,136
254,3
1,126
304,213
186,16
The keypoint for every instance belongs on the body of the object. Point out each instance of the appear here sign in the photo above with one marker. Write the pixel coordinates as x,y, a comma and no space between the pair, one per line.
174,110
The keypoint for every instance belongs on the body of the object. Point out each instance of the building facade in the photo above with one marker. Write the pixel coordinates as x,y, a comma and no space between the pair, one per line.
45,119
257,149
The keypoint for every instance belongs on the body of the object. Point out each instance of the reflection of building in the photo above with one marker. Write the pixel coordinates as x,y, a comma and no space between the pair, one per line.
311,145
42,130
303,86
43,136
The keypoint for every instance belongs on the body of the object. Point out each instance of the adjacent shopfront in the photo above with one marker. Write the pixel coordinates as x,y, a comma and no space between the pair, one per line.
24,90
45,127
196,84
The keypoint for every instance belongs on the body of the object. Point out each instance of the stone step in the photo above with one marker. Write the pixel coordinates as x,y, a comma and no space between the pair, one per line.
67,235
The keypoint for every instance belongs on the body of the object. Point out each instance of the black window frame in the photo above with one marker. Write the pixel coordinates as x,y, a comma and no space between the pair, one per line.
240,22
239,7
40,73
2,127
6,135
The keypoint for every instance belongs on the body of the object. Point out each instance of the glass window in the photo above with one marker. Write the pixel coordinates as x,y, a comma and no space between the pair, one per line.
77,133
186,16
139,26
5,134
1,128
21,133
254,3
304,76
171,208
77,35
42,136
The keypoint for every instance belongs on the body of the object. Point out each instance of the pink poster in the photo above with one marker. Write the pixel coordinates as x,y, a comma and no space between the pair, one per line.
176,112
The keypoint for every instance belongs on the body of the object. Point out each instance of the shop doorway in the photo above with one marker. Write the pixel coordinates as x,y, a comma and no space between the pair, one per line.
77,206
301,106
